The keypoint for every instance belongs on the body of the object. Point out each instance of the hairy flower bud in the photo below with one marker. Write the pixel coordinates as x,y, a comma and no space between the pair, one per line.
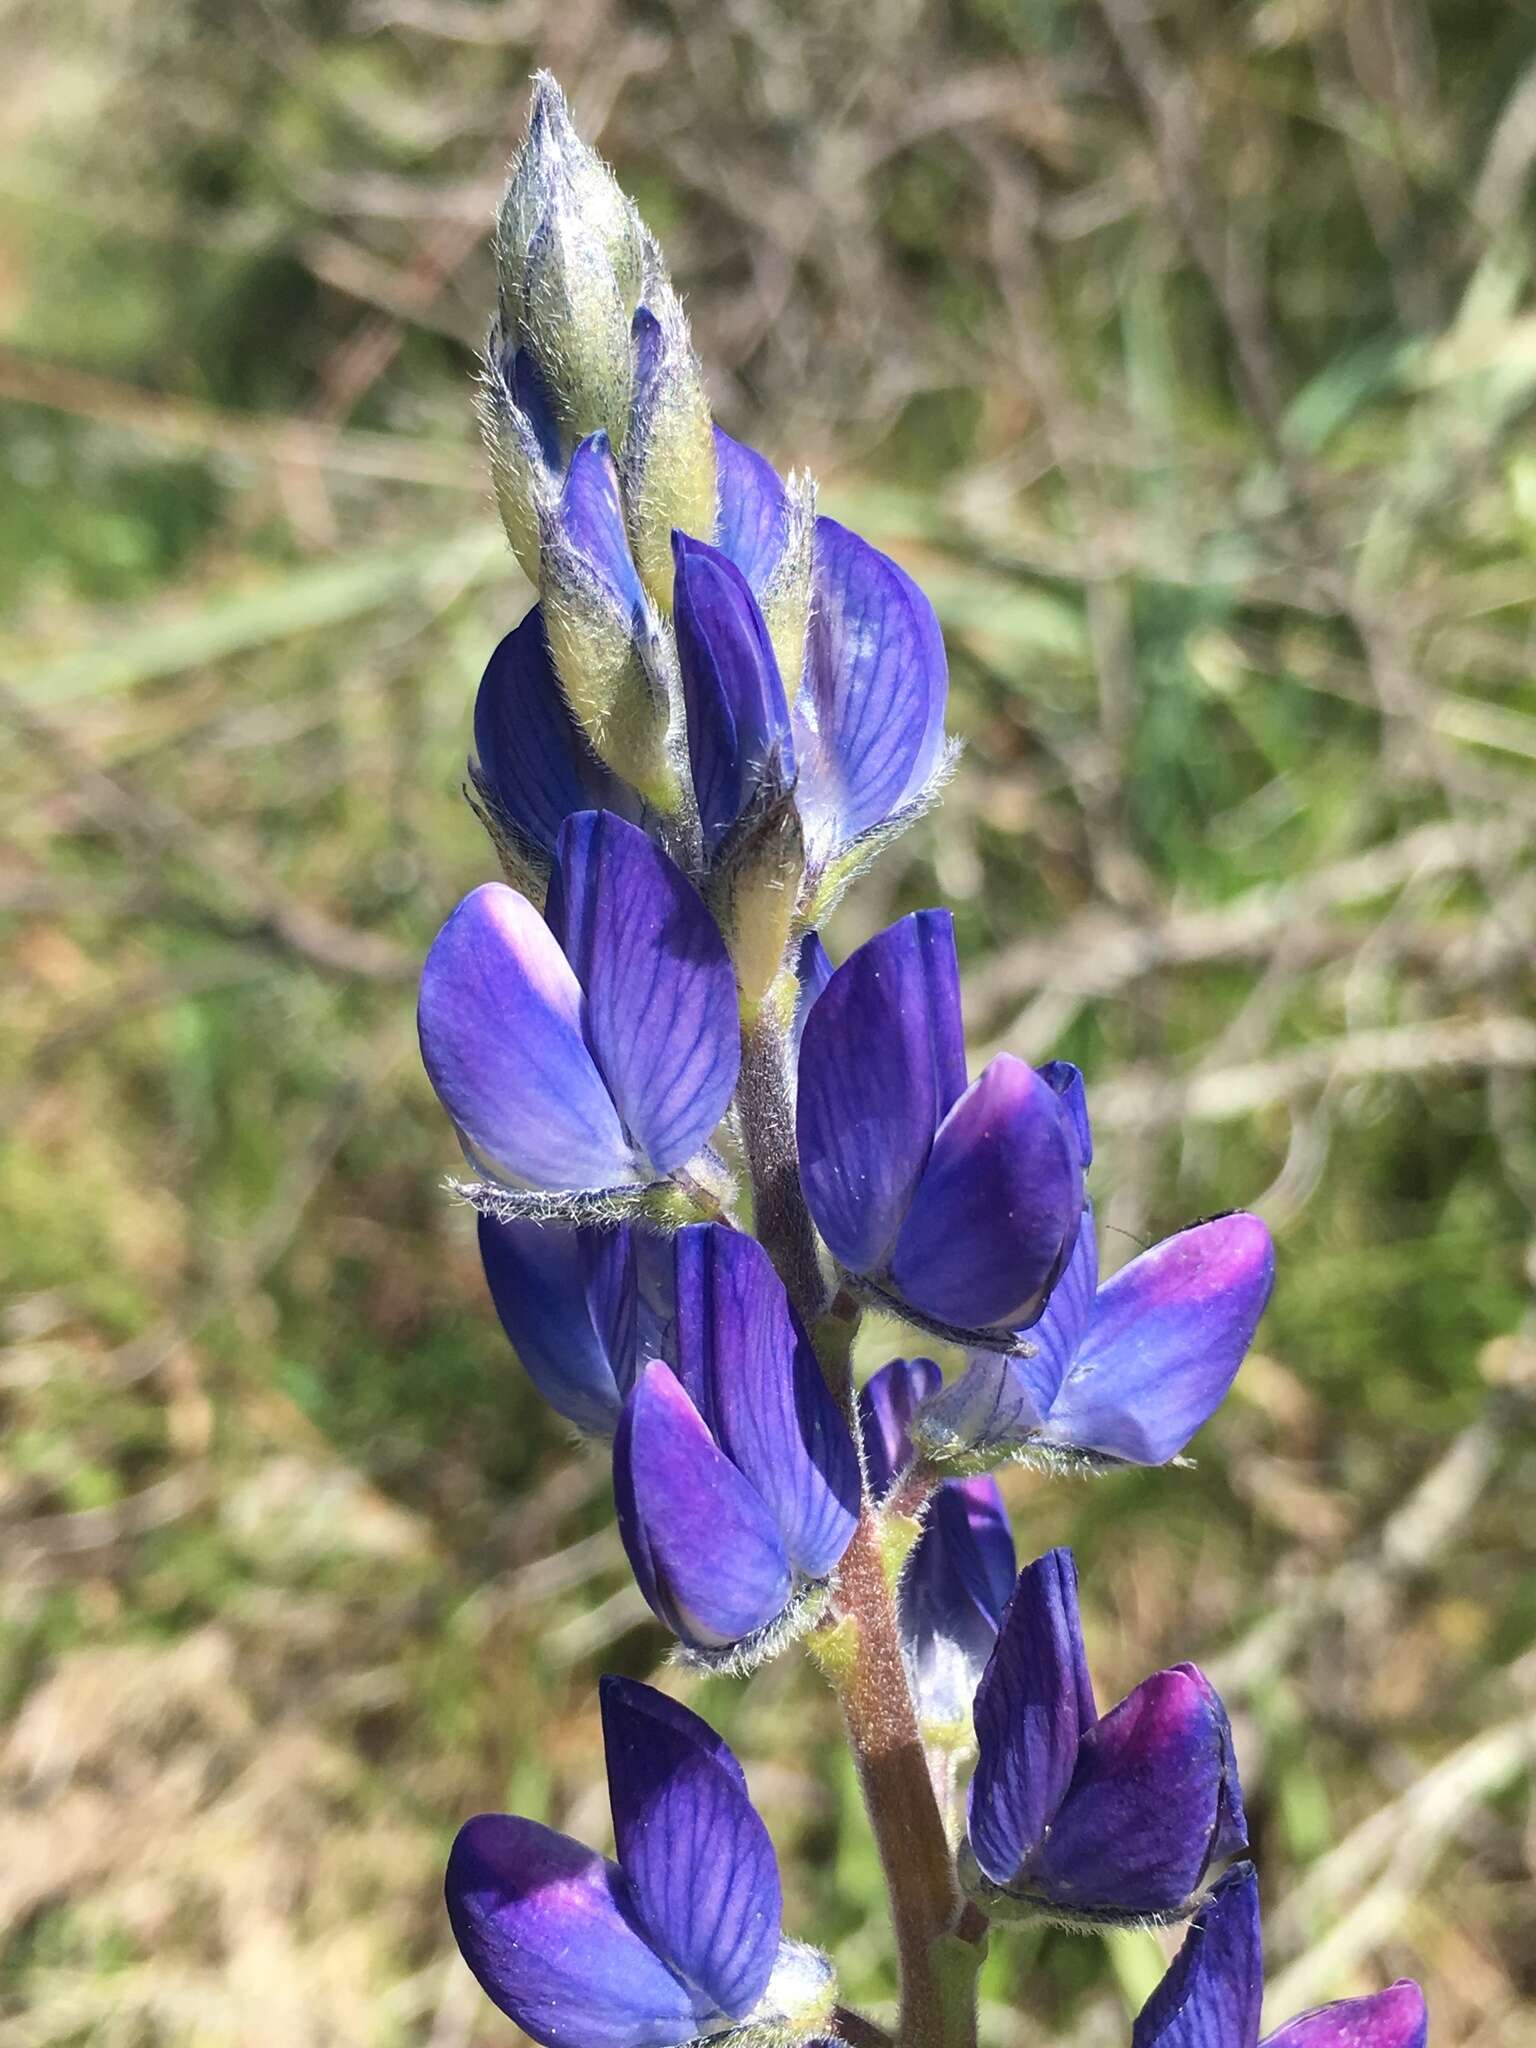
668,458
522,439
615,661
575,323
786,596
755,894
553,154
570,255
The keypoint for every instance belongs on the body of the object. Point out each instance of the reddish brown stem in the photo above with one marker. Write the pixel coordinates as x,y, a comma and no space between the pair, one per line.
914,1489
898,1792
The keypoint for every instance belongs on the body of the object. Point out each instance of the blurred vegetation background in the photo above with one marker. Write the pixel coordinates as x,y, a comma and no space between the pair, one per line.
1187,352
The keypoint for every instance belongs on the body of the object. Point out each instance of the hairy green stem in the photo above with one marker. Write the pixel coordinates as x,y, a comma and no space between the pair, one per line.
765,1100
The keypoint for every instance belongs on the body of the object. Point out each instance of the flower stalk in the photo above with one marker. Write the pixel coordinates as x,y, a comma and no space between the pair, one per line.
719,713
903,1809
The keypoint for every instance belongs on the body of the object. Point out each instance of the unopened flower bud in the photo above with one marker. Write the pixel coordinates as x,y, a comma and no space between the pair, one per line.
614,659
668,458
554,155
786,596
756,891
570,254
522,439
576,324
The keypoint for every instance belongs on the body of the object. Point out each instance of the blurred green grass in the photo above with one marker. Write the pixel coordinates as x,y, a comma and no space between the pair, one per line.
1188,358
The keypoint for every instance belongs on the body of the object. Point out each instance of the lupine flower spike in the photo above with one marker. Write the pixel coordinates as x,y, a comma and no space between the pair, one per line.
719,710
1084,1820
1210,1997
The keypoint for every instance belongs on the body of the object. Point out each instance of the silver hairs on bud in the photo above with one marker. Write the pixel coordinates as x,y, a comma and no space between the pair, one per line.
667,462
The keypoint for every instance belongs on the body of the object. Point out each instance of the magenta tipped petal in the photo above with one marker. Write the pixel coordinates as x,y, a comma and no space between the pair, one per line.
1394,2018
1152,1804
1164,1341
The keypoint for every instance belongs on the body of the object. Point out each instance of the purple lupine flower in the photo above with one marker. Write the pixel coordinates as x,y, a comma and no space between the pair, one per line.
534,766
953,1598
869,718
888,1400
679,1937
593,1049
959,1202
590,523
1210,1997
735,1475
961,1572
570,255
1084,1819
740,741
582,1307
1124,1373
755,523
813,970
